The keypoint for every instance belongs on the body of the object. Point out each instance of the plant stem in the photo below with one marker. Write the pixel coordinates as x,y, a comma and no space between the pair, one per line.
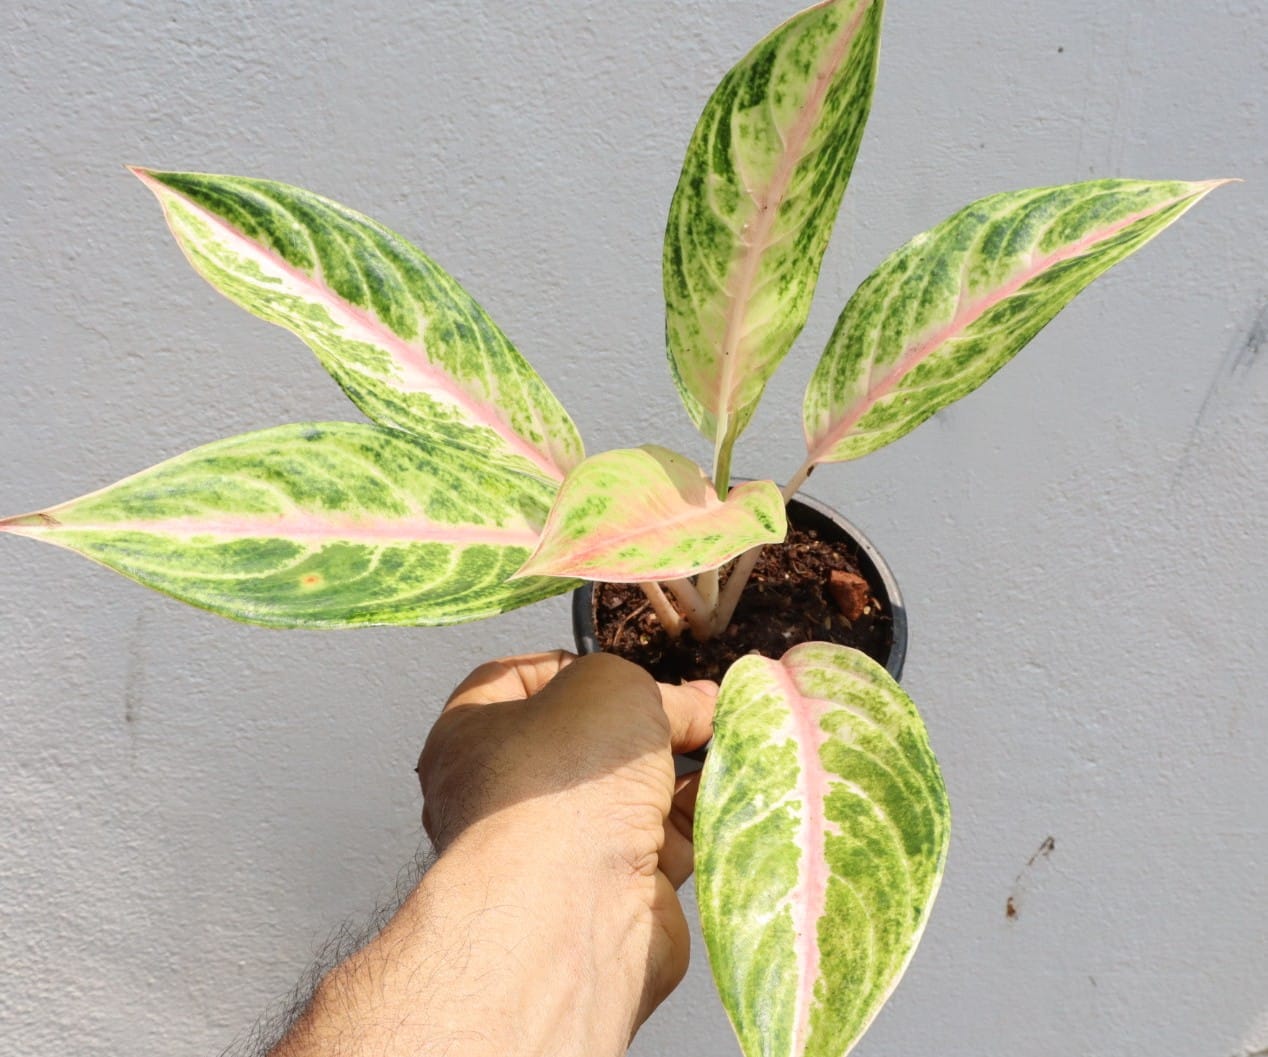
740,572
707,585
697,613
722,459
743,567
724,447
664,609
797,480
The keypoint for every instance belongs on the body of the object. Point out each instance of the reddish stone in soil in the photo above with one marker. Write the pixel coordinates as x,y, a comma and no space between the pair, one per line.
850,592
788,600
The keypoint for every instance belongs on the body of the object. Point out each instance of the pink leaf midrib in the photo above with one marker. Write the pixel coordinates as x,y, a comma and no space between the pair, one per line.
733,504
479,412
809,897
298,527
966,314
767,203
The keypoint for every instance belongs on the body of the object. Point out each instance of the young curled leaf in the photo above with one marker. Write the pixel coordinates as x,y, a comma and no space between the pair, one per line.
642,514
821,833
949,309
317,525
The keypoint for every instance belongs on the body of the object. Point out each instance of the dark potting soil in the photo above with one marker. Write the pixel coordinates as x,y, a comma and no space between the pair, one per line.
806,589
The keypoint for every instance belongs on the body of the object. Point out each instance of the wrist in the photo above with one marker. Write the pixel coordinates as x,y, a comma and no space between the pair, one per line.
543,946
576,920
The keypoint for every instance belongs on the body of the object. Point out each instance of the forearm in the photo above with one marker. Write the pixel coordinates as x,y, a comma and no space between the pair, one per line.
549,926
473,963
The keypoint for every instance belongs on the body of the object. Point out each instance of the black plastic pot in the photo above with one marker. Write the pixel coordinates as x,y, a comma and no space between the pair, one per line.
809,514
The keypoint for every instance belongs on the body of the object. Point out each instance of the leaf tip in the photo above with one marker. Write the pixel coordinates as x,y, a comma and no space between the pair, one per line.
28,524
149,177
538,563
526,570
1202,188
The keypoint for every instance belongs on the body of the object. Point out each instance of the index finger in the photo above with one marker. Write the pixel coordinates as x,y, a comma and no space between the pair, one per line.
690,711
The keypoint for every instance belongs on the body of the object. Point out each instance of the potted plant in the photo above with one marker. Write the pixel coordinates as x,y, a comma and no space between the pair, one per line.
822,822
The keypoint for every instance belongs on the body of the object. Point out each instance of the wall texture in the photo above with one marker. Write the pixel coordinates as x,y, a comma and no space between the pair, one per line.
187,806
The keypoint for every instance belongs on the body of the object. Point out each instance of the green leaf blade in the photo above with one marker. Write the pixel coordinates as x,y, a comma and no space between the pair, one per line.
755,205
821,834
317,525
408,345
950,308
642,514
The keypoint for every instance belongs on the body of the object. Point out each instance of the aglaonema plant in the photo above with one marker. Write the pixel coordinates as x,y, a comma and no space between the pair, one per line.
822,822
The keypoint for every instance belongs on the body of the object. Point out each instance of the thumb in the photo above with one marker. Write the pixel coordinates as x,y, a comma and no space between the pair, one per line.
690,710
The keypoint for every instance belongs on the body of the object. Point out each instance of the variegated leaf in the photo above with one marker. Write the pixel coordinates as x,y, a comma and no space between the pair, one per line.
409,346
821,832
955,304
755,204
640,514
317,525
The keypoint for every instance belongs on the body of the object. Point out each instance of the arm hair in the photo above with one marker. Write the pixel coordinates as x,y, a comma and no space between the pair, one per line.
345,941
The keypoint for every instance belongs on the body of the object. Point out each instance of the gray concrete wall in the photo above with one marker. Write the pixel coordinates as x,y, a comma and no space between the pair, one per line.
187,806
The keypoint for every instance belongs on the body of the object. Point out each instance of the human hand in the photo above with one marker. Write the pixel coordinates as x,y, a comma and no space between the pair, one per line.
549,925
569,762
